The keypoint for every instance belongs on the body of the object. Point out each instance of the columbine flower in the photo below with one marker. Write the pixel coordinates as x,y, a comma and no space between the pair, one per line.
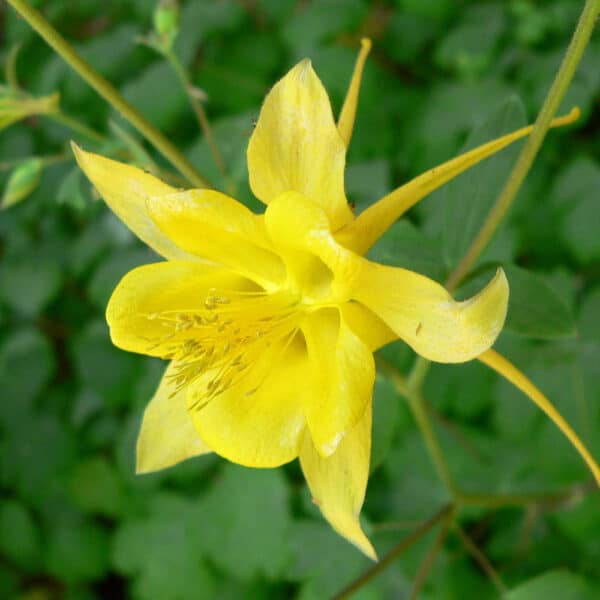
270,321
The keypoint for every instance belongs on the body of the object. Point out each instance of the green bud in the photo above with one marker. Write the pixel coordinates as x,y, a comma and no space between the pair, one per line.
166,22
22,181
14,107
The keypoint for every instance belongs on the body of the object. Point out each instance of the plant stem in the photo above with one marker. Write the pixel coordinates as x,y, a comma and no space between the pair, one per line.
198,110
563,78
481,558
445,513
107,91
416,402
76,126
430,557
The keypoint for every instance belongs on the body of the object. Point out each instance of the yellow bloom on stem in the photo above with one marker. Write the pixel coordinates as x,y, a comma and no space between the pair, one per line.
270,321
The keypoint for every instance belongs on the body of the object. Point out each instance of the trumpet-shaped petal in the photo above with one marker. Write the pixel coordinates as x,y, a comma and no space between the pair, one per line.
296,146
258,421
126,189
167,435
348,112
154,308
422,313
213,226
338,482
370,225
344,373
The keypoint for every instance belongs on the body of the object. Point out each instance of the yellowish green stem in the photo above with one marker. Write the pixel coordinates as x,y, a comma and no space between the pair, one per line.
559,87
198,110
444,514
108,91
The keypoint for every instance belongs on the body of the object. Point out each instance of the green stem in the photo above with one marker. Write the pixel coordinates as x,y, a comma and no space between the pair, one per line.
76,126
444,514
107,91
559,87
416,402
198,110
430,557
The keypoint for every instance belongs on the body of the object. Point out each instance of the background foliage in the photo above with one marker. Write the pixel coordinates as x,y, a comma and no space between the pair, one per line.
75,522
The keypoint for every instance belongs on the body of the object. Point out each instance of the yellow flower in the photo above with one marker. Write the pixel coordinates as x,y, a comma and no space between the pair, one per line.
270,321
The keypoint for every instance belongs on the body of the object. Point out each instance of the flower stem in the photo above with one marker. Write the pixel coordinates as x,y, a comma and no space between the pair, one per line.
430,557
198,110
107,91
563,78
443,514
76,126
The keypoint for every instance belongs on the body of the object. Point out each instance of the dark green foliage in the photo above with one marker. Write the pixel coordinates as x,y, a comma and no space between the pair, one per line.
75,522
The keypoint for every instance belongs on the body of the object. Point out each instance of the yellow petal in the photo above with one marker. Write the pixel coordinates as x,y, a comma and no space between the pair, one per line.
296,146
422,313
348,112
144,309
126,189
344,373
211,225
258,422
501,365
338,482
367,325
371,224
167,435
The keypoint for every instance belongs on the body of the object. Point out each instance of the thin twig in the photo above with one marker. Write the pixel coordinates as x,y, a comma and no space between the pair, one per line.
395,552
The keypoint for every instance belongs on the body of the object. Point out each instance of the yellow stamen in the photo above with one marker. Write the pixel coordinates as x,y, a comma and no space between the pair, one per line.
230,332
501,365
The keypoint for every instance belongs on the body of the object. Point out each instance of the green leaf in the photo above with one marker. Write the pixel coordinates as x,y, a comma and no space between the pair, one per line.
76,550
554,584
19,535
467,199
22,181
404,245
589,323
29,285
535,310
69,192
96,488
386,418
243,524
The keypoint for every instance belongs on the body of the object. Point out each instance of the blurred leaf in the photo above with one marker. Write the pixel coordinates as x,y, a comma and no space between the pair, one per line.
22,181
469,197
19,536
161,554
568,585
367,181
589,323
28,285
69,192
95,487
102,367
26,366
76,550
386,417
534,309
243,523
404,245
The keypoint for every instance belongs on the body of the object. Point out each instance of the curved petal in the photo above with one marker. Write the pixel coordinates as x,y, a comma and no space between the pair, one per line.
259,421
338,482
422,313
146,309
296,146
216,227
348,112
167,435
344,373
126,189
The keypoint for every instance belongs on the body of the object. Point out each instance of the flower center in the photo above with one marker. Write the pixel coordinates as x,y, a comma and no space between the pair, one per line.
216,344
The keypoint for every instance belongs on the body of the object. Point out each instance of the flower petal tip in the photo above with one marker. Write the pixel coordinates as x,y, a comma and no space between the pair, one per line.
366,44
